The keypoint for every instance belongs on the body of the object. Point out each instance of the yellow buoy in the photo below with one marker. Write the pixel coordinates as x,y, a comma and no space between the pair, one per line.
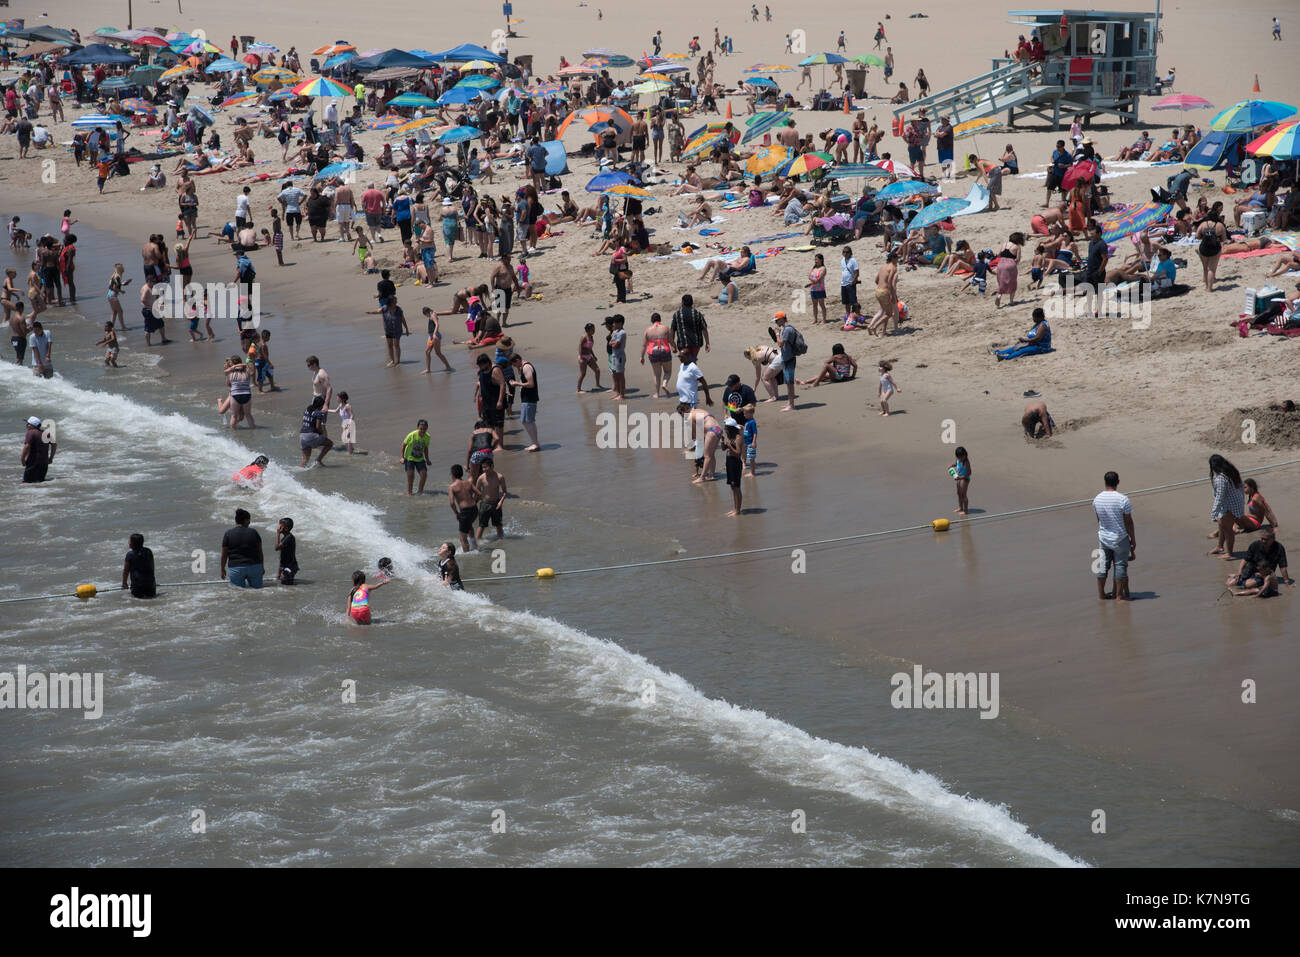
940,524
546,573
86,591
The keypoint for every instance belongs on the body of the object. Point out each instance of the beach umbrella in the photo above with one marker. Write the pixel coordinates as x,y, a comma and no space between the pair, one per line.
762,82
669,68
412,99
458,96
606,181
339,59
1083,170
143,75
971,127
652,86
101,31
823,59
805,164
415,125
906,189
134,104
766,160
1132,221
224,65
861,171
546,89
201,114
598,51
937,212
715,127
705,143
629,189
252,59
198,46
271,73
337,169
868,59
767,69
331,49
239,99
180,70
466,67
96,53
280,95
176,36
576,69
619,62
93,120
322,86
1251,115
1182,102
478,82
149,40
591,115
262,48
466,52
458,133
117,83
1279,142
387,122
894,167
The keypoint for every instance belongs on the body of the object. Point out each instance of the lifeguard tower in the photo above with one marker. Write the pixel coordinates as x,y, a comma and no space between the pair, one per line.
1094,62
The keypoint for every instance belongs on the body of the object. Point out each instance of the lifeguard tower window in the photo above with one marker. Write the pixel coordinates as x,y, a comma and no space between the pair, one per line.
1090,63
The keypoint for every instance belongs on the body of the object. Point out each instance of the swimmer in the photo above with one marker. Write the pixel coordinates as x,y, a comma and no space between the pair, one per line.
359,598
448,570
250,476
386,570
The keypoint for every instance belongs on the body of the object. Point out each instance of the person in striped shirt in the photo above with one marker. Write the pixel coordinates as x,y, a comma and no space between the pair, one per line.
1116,536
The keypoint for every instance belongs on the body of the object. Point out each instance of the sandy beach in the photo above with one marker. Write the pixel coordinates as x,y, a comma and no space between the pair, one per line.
1153,686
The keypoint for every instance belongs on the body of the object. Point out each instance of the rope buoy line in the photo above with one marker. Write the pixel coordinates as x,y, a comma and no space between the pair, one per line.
938,525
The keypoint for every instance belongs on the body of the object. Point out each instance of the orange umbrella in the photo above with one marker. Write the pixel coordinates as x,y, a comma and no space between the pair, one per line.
591,115
333,49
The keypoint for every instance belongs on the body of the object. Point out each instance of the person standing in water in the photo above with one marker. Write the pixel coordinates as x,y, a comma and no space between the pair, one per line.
1115,536
359,598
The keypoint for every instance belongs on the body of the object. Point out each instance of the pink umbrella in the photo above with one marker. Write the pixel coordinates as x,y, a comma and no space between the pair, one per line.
1182,102
893,166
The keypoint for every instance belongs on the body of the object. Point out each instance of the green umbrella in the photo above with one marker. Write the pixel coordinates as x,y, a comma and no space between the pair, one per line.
146,74
868,59
102,31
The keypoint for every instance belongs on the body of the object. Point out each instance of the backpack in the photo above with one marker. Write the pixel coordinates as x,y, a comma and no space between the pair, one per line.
799,346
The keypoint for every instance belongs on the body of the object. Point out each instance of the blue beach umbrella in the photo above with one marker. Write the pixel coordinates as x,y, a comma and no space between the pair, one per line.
117,83
906,189
458,133
1251,115
337,169
861,171
412,99
604,181
458,96
339,59
92,120
937,212
223,65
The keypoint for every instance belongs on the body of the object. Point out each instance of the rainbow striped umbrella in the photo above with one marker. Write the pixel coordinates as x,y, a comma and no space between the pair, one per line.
200,46
545,89
321,86
1133,220
805,164
1251,115
764,123
627,189
280,95
1279,142
766,69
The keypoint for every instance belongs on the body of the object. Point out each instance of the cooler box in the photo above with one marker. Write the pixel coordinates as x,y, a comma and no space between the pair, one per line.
1254,222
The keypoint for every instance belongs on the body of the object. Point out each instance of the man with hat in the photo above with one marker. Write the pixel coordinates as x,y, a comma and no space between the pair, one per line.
38,451
786,337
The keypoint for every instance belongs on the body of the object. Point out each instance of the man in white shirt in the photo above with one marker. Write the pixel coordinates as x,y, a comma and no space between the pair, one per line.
332,116
848,279
39,345
690,380
1116,537
241,209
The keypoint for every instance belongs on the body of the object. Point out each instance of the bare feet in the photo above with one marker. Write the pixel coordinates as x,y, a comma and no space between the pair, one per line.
1215,551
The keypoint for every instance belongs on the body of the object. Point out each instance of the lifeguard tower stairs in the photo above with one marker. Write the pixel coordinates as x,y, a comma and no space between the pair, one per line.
1097,63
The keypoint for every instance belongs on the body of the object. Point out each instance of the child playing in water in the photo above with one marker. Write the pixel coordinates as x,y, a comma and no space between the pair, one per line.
287,546
587,357
448,570
277,236
887,385
265,371
193,314
386,570
110,342
115,284
347,421
359,598
961,474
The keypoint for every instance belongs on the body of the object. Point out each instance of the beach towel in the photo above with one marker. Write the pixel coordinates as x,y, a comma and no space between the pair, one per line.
771,239
1250,254
713,222
1289,240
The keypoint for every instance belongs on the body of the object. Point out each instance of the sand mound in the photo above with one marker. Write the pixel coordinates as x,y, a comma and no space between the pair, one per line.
1274,426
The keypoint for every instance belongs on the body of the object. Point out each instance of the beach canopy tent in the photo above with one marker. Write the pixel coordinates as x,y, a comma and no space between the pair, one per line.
387,59
48,34
466,52
97,53
1215,149
392,73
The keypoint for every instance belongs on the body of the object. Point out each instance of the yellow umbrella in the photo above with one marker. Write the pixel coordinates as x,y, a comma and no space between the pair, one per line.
419,124
264,77
653,86
477,65
971,127
767,159
176,71
655,76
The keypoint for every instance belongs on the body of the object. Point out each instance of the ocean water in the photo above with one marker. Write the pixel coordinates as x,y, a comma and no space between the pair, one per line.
629,719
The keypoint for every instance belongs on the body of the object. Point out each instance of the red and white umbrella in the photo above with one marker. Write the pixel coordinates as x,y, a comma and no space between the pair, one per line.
893,166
